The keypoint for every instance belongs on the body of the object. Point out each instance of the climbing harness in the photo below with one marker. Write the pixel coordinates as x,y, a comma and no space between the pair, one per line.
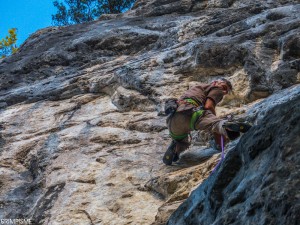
178,137
222,155
197,112
189,101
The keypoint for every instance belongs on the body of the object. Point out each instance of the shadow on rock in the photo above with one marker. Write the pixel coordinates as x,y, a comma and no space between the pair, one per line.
195,157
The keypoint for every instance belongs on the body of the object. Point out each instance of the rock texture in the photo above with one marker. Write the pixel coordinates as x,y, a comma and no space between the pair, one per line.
82,132
257,182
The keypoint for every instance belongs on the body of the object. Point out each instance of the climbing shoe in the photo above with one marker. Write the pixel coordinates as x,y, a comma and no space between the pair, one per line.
170,154
175,157
232,135
237,126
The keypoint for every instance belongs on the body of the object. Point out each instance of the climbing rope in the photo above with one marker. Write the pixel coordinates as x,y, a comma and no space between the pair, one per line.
222,154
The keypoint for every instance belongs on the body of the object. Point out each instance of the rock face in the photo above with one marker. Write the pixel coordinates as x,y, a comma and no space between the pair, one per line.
256,183
81,131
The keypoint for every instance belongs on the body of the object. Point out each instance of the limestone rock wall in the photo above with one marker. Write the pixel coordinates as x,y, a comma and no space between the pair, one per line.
81,127
257,182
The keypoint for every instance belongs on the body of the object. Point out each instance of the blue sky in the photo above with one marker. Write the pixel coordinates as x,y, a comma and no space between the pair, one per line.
26,15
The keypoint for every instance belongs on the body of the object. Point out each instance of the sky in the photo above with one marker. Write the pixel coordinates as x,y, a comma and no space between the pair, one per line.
27,16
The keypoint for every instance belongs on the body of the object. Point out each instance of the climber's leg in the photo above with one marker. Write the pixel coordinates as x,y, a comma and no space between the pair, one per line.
229,130
178,126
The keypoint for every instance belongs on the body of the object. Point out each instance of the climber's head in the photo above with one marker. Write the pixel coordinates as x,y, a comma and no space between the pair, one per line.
224,84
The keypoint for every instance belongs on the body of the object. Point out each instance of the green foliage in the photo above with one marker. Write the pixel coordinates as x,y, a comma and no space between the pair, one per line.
80,11
8,44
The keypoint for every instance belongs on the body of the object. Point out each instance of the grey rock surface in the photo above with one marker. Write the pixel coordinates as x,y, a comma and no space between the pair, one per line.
81,131
257,182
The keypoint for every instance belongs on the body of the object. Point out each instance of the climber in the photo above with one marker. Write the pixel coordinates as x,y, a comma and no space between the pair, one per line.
195,110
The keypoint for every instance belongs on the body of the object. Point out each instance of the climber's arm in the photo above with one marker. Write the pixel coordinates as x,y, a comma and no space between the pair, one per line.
210,105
